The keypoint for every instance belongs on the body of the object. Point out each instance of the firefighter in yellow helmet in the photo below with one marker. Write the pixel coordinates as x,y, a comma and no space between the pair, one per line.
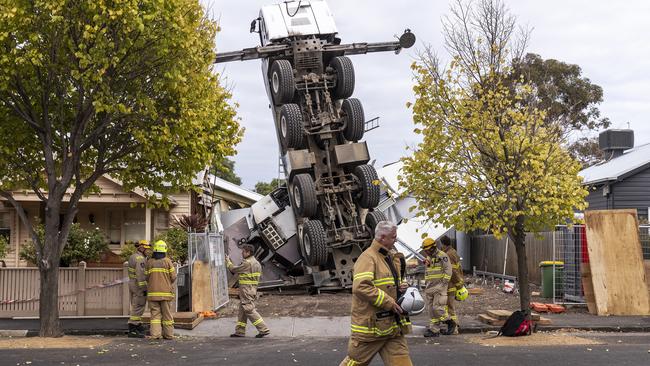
249,272
161,276
378,323
137,288
457,283
437,275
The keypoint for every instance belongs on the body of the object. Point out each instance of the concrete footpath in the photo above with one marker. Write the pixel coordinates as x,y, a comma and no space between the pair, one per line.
321,326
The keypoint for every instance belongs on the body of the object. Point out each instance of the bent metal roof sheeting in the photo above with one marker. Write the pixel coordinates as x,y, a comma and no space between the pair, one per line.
617,168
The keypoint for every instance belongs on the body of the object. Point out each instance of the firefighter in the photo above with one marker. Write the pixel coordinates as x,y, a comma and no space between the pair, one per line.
378,323
437,276
161,276
138,288
249,272
457,282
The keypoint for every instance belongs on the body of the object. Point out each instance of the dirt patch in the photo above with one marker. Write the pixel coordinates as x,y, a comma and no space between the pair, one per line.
493,297
273,304
62,342
534,340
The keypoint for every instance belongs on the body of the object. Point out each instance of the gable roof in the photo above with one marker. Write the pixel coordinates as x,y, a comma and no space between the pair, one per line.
224,185
618,168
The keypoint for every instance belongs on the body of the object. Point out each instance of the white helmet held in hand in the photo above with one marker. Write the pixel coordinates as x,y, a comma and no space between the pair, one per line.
411,301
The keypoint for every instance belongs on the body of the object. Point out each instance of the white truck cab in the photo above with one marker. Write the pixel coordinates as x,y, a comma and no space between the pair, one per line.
295,18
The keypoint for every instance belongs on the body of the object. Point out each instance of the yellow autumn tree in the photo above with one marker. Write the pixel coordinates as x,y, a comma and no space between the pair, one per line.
487,159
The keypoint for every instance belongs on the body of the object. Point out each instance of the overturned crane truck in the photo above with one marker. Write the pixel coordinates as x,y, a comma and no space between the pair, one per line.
312,229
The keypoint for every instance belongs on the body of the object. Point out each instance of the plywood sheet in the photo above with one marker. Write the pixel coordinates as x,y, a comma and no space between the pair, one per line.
201,287
647,274
616,263
588,288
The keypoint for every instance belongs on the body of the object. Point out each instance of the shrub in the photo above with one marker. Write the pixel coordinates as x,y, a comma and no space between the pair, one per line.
82,245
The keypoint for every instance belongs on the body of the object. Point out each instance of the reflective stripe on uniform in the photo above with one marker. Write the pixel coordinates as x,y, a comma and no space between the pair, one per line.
439,275
167,322
135,318
250,275
352,362
240,324
159,270
383,281
248,282
376,331
142,283
258,321
451,289
360,275
380,298
150,294
156,321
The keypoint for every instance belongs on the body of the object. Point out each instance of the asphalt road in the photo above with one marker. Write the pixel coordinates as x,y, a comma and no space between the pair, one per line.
619,350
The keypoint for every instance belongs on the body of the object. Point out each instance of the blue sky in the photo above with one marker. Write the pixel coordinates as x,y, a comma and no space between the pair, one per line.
609,40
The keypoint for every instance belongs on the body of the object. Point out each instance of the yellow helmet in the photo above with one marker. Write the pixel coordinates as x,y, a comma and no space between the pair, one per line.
160,247
461,294
145,244
428,243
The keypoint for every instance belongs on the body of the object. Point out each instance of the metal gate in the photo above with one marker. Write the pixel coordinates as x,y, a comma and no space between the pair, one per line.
208,248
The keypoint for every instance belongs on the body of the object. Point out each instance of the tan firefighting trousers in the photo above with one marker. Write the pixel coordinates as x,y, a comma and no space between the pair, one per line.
138,303
248,312
451,303
437,306
393,351
161,314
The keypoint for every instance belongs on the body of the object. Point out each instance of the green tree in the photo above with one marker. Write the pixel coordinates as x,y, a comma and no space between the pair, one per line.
4,245
82,245
89,88
265,188
488,159
226,171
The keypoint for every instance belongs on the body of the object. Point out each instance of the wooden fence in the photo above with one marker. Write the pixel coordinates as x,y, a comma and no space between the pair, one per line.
82,291
488,254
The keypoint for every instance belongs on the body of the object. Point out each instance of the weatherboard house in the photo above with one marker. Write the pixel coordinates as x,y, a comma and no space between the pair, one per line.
622,180
122,215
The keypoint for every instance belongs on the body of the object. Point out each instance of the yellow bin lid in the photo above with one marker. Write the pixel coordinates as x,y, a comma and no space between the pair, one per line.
550,263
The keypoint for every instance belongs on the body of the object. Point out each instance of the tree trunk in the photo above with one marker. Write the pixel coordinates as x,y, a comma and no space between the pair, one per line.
49,302
48,265
519,240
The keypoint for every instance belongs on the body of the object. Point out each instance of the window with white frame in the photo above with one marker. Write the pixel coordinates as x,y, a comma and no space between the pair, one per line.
5,225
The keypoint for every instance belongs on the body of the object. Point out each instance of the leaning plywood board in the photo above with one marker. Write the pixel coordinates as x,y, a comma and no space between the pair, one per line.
201,287
647,274
616,263
588,288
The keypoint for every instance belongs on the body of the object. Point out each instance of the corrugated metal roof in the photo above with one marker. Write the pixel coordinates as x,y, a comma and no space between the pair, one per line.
614,169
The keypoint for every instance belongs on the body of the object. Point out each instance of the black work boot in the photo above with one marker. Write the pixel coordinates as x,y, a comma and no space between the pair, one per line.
452,328
140,328
261,335
133,332
430,334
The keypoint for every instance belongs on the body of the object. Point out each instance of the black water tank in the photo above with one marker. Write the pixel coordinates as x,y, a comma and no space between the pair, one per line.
612,140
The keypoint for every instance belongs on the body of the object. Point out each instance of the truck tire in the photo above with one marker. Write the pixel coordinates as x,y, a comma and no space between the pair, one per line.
314,243
344,77
355,120
368,195
304,195
291,132
282,83
372,219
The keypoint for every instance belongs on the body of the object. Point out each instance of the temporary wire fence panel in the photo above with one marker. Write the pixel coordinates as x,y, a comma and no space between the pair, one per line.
570,247
207,257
